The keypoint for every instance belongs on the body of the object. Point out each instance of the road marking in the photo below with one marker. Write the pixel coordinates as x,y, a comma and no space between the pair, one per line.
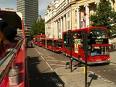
55,60
58,65
44,59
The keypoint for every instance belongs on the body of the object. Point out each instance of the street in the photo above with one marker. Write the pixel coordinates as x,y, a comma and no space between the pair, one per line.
107,71
40,74
42,63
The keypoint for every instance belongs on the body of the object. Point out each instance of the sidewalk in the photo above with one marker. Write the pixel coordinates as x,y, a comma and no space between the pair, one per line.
77,78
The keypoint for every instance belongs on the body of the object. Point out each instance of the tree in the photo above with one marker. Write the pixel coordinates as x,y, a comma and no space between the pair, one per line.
105,14
38,27
113,31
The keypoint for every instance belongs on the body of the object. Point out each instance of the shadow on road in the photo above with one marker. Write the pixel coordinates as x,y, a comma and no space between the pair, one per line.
39,79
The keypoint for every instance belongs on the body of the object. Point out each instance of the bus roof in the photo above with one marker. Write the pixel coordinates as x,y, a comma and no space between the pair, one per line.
87,29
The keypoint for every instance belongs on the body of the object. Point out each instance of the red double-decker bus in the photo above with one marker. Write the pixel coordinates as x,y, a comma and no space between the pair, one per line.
54,44
39,40
97,44
57,45
48,43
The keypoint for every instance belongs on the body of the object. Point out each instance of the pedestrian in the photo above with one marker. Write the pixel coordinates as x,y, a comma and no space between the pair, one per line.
3,24
7,37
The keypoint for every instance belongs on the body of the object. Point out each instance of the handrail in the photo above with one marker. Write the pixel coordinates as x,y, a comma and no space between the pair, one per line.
6,62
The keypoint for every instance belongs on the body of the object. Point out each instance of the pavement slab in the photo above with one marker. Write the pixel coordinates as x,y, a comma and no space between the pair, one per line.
77,78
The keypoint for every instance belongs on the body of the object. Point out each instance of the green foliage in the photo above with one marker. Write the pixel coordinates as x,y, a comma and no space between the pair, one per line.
38,27
105,15
113,31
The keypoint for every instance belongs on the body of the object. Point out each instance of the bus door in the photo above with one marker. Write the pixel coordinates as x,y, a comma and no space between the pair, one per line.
49,44
59,45
77,41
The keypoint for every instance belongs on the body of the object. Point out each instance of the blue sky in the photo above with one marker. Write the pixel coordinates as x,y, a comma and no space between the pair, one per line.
12,4
8,3
43,5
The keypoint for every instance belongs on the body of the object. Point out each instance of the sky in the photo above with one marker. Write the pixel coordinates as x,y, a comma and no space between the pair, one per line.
43,5
8,3
12,4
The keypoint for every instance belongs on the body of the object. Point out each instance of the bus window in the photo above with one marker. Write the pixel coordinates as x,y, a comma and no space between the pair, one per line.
58,43
49,42
97,36
100,51
65,40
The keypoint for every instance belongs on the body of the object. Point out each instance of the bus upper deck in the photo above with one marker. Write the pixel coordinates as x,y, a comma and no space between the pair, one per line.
12,49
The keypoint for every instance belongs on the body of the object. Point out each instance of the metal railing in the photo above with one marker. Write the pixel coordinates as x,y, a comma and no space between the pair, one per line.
7,61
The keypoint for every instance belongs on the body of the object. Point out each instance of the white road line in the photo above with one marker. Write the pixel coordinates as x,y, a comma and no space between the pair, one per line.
58,65
44,59
56,60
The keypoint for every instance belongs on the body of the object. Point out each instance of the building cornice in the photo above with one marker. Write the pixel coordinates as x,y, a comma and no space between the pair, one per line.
67,6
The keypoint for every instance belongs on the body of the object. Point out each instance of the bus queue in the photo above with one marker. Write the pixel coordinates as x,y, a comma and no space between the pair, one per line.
72,44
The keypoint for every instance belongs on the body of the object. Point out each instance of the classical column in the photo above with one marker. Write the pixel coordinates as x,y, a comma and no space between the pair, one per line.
87,14
59,28
61,24
64,22
56,30
78,18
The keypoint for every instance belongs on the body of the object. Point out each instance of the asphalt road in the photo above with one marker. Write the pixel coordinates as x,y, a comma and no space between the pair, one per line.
107,71
58,60
39,72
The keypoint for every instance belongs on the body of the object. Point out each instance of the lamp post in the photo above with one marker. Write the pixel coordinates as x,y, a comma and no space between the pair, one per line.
85,44
70,42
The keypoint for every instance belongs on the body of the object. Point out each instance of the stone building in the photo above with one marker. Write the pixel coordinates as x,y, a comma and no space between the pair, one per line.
63,15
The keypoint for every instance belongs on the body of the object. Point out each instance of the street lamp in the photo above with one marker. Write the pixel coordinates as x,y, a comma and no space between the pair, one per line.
85,45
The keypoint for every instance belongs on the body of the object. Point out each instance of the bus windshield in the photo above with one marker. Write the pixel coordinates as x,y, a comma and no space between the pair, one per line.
59,43
98,36
98,33
95,37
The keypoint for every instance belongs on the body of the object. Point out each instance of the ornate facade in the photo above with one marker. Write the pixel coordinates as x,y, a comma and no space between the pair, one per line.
63,15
